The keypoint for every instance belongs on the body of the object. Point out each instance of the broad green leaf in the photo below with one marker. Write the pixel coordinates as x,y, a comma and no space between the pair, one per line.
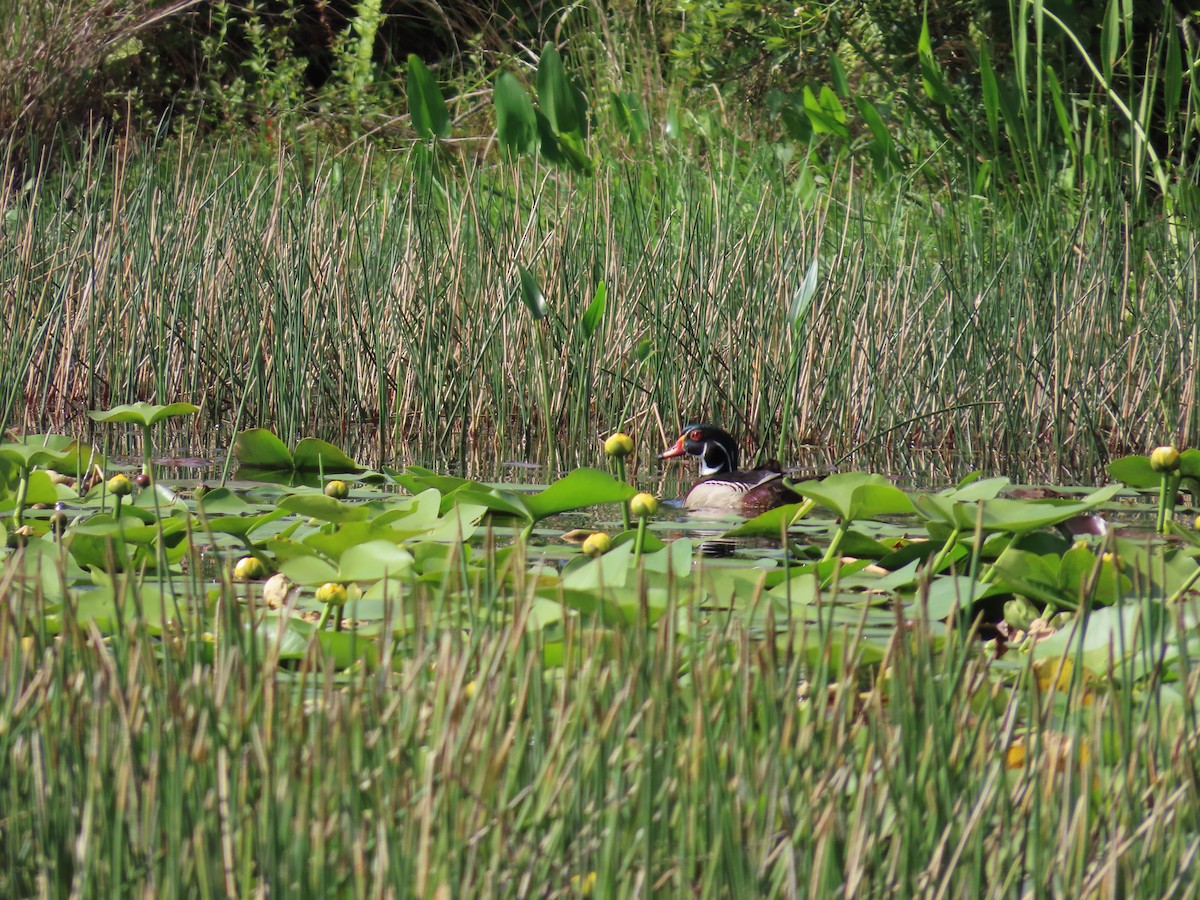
240,526
772,523
978,489
259,448
837,74
581,488
803,298
931,73
631,117
516,122
223,502
883,147
426,105
1014,516
594,314
495,500
561,102
856,495
374,560
26,456
825,119
308,570
947,593
144,414
318,506
314,455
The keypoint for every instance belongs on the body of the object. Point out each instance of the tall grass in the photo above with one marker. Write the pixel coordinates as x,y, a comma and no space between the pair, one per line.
197,763
377,301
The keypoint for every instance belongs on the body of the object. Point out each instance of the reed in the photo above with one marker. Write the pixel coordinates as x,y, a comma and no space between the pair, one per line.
376,301
662,761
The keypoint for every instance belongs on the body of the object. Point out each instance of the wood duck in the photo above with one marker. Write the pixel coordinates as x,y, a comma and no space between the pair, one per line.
723,485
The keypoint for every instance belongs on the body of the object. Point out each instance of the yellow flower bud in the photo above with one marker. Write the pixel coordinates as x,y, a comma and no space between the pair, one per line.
249,568
597,544
643,505
331,593
619,445
120,485
1164,459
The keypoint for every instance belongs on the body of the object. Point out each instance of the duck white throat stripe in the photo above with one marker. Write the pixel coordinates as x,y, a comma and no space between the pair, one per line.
725,464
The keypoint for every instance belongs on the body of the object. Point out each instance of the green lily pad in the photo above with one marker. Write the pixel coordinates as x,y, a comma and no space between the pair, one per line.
144,414
772,523
581,488
1013,516
314,455
857,495
259,448
319,506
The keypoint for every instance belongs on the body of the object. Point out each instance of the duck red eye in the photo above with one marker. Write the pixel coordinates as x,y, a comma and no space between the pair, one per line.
695,435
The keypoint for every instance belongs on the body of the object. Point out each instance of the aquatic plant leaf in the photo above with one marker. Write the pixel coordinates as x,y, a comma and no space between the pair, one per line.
40,489
630,115
856,495
1135,472
650,541
594,314
26,456
563,104
948,593
415,513
313,454
332,544
318,506
495,500
978,489
34,569
772,523
581,488
931,73
1015,516
516,122
374,560
426,106
223,501
240,526
308,570
1035,576
803,298
1117,633
826,114
608,570
532,295
144,414
260,448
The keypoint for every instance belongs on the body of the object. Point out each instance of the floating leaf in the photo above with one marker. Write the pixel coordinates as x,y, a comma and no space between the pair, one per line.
144,414
260,448
313,455
581,488
855,495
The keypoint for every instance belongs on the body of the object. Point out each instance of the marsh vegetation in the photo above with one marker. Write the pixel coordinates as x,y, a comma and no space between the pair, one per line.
343,285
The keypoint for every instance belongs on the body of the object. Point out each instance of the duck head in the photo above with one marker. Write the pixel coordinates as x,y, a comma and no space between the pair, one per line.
714,447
